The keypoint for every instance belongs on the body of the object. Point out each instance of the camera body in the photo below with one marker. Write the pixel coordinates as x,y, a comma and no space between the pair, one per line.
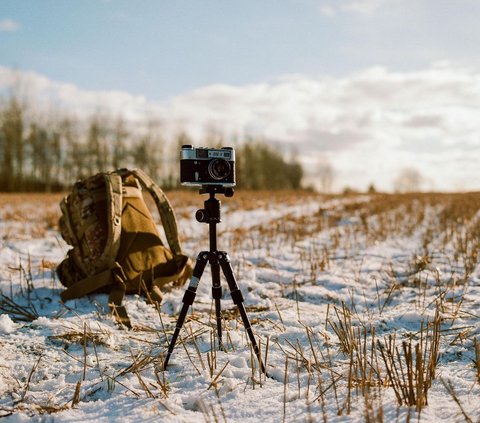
207,166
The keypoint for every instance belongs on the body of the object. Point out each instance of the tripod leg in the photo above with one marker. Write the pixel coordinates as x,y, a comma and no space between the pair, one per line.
188,299
217,295
237,298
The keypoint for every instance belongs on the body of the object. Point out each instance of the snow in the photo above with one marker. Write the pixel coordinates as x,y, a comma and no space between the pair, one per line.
7,326
304,268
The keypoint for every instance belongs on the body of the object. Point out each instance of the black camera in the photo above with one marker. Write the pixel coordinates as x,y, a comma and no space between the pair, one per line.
207,166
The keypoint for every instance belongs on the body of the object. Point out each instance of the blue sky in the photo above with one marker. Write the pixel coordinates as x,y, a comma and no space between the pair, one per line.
323,75
164,48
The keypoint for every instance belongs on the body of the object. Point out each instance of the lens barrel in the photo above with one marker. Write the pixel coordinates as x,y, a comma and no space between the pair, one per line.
219,169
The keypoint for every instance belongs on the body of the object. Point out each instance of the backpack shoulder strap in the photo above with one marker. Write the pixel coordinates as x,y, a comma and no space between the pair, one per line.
113,186
165,210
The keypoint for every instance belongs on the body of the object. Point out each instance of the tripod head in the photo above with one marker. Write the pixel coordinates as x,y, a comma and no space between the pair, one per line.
217,189
211,211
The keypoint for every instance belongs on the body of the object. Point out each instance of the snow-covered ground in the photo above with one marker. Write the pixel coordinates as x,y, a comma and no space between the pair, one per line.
337,291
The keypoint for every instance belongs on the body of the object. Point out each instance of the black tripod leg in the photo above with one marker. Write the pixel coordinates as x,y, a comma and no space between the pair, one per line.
217,295
237,298
188,299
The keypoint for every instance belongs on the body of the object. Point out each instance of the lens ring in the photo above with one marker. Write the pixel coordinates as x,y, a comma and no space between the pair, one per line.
219,169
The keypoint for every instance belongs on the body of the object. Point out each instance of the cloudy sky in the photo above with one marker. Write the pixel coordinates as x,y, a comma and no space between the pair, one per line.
370,86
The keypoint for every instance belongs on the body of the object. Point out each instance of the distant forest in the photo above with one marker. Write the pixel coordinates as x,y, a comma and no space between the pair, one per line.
50,154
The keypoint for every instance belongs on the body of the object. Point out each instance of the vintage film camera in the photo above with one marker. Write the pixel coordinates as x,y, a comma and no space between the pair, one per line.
207,166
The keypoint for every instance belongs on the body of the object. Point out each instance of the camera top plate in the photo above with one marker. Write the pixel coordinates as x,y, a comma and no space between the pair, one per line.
189,152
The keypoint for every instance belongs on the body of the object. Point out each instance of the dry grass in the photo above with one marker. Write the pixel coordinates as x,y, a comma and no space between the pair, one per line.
349,363
476,361
411,368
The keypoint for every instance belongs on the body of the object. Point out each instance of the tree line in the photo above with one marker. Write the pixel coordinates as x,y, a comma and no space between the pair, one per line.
39,154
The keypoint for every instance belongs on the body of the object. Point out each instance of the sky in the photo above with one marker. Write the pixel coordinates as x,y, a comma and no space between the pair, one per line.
370,87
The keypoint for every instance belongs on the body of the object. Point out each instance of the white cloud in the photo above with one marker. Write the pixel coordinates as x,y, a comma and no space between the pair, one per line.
47,96
364,6
328,10
332,8
9,25
369,124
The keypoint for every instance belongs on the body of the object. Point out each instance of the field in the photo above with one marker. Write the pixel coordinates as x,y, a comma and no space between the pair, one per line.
365,307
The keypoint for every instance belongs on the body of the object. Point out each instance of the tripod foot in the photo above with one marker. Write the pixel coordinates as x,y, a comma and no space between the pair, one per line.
188,299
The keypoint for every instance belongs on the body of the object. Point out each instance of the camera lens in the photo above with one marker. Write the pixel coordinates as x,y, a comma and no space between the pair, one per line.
219,169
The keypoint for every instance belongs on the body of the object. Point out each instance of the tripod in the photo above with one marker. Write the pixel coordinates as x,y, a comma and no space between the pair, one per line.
218,259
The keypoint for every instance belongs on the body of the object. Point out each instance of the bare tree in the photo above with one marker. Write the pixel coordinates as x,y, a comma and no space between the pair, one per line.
409,179
171,176
97,148
325,175
148,151
12,128
119,153
67,130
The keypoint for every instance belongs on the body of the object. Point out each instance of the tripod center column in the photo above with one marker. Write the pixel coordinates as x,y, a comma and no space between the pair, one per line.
212,209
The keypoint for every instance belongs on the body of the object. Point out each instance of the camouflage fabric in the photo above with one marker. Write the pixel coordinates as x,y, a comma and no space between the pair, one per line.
116,244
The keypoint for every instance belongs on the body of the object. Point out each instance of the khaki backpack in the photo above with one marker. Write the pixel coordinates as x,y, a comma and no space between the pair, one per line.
117,248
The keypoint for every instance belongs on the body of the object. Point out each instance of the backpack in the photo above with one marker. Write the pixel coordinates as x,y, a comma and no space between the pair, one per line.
117,248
